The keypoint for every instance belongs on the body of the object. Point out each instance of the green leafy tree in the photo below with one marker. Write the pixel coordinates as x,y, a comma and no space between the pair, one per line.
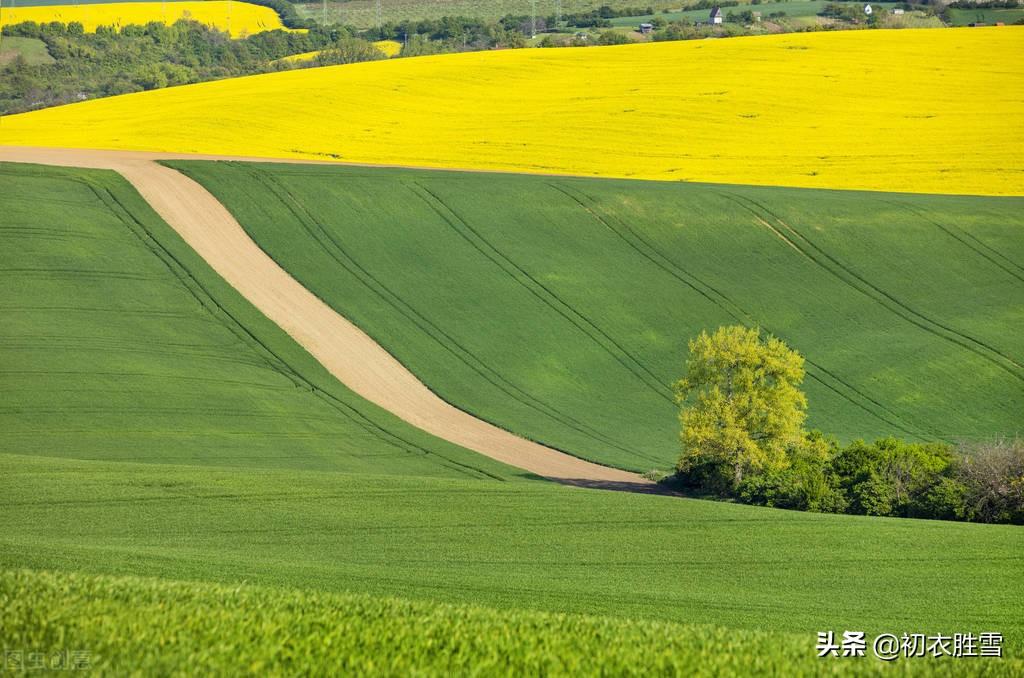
741,405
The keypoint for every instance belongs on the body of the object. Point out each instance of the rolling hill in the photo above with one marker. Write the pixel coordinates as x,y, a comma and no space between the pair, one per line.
560,308
236,18
120,343
911,110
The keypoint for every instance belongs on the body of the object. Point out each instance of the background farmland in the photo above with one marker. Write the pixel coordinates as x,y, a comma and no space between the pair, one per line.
698,110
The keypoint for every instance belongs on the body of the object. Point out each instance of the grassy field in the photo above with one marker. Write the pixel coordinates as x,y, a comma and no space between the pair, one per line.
963,17
32,50
798,12
119,343
514,546
237,18
153,425
363,635
560,308
797,8
794,110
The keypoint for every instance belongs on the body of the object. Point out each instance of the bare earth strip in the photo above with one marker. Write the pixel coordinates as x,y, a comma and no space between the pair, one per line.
345,350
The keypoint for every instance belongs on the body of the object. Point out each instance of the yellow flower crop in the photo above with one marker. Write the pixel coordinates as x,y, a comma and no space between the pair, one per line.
237,18
299,58
934,111
387,47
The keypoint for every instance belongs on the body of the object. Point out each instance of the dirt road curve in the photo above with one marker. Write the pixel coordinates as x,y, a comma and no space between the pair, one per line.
345,350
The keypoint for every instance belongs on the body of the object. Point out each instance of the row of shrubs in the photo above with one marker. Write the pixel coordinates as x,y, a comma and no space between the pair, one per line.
981,482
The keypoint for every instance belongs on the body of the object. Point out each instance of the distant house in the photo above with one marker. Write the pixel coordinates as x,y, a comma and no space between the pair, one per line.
897,11
716,16
646,28
757,17
868,10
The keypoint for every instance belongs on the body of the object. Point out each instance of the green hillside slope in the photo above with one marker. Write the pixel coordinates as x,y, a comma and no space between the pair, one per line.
153,424
119,343
560,308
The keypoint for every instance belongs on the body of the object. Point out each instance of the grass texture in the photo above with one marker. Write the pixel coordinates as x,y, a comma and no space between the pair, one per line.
120,343
560,308
844,109
178,627
514,546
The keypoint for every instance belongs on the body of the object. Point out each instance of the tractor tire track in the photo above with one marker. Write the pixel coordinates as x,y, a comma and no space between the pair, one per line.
272,360
965,238
334,249
654,255
853,280
546,295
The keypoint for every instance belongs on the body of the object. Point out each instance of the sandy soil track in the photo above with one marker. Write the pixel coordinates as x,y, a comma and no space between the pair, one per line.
345,350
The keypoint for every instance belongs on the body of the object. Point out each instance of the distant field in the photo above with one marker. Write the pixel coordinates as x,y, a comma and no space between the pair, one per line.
560,308
363,13
237,18
793,110
962,17
797,8
32,50
119,343
389,48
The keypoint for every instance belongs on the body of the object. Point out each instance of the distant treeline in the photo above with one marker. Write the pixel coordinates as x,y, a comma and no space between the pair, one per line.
985,4
141,57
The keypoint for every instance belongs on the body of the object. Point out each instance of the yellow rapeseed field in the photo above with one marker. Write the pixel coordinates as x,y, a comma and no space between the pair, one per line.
388,47
934,111
299,58
237,18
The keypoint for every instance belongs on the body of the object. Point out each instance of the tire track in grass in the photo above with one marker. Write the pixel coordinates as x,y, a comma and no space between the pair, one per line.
330,245
275,362
654,255
852,279
546,295
966,238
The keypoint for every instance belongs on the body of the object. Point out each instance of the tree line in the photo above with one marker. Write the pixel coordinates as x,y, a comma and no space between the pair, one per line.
135,58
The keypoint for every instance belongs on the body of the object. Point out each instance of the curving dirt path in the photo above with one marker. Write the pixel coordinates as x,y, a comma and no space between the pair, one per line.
345,350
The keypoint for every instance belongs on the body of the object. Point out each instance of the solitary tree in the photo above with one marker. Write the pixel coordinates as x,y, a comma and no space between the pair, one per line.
741,407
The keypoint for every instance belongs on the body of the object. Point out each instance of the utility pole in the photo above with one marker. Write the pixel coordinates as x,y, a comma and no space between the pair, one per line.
380,15
533,19
324,21
558,12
